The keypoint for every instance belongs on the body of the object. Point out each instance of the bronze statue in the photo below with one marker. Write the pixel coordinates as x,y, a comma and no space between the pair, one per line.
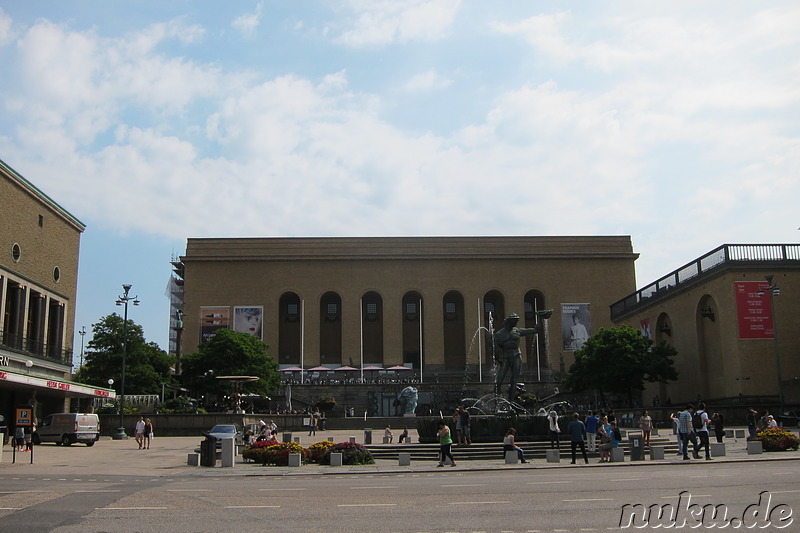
506,349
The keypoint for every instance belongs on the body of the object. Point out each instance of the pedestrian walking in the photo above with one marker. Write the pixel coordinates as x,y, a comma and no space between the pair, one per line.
148,433
577,433
445,444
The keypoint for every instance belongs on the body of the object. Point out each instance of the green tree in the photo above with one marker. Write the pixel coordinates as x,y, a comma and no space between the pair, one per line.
620,360
146,365
229,353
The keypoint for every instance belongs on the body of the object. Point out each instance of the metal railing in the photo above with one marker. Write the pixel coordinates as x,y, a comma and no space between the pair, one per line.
34,348
727,254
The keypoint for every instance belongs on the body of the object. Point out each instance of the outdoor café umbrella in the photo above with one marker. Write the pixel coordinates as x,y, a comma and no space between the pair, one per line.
292,369
345,368
398,367
319,369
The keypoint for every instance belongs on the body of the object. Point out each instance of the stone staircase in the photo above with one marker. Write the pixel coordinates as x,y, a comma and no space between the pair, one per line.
492,451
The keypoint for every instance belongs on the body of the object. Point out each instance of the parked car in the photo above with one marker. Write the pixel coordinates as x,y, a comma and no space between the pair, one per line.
68,428
789,419
225,431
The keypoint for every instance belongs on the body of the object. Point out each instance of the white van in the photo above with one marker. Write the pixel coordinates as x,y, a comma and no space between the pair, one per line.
68,428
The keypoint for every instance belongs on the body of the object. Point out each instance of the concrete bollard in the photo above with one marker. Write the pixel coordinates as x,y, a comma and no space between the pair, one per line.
294,459
717,449
404,459
330,439
228,453
553,456
336,459
656,453
728,433
297,440
754,447
387,440
739,433
511,457
617,455
352,440
193,459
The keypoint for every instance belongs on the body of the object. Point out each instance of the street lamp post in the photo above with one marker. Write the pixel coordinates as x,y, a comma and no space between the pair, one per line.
123,301
773,292
178,335
82,333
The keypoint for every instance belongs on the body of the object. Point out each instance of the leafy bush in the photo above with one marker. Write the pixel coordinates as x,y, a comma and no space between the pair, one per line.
181,404
274,454
353,453
317,450
778,440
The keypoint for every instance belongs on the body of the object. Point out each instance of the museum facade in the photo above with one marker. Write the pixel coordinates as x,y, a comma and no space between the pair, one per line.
421,303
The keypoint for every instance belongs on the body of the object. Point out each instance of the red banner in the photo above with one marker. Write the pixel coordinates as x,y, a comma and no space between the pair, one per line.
754,310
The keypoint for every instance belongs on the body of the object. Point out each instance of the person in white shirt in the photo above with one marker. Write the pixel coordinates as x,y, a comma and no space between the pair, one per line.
138,432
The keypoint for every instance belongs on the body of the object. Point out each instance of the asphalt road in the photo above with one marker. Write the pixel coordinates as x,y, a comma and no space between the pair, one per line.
577,499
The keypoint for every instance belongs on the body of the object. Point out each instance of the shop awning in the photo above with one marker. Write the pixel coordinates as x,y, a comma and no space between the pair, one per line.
76,389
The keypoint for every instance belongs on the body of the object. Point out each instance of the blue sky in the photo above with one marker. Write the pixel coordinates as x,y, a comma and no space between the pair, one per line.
152,122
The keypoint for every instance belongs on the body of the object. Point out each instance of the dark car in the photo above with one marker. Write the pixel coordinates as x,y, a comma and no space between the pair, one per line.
789,419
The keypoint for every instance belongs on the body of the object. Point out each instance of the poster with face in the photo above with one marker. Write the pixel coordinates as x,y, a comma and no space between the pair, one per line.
248,320
576,325
213,318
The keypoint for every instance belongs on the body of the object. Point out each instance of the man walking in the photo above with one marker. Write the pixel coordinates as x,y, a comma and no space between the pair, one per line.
685,431
138,432
577,432
702,432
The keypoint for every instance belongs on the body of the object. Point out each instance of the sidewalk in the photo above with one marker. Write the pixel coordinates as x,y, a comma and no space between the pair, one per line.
167,458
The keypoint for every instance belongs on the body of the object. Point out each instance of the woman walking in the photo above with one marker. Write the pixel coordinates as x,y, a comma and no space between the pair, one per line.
445,444
148,433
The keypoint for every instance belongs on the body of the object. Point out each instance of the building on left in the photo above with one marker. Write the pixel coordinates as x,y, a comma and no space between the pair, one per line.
39,248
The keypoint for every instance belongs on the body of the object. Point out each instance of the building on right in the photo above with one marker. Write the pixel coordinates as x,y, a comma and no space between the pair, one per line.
733,315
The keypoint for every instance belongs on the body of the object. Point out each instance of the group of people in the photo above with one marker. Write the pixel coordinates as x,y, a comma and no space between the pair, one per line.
23,438
143,433
462,421
756,423
693,425
263,432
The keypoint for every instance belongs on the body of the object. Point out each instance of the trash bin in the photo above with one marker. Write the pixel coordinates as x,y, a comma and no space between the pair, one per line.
208,451
367,435
636,446
287,436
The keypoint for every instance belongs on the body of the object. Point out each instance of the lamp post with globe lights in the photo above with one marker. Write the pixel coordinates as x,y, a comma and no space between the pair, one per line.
123,301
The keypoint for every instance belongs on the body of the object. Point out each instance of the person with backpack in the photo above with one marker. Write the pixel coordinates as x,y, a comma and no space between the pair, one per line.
700,422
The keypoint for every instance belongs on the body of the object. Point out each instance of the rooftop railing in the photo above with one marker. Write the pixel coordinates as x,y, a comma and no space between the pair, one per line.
727,254
34,348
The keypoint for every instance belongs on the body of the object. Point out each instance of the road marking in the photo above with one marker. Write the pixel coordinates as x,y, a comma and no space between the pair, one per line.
188,490
366,505
545,482
693,496
282,490
783,491
370,488
99,491
626,479
252,507
476,503
589,500
129,508
467,485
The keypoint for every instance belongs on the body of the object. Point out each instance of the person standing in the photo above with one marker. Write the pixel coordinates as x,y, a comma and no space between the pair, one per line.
457,422
465,425
702,433
592,423
312,425
445,444
138,432
752,422
552,420
719,426
148,433
646,423
577,432
19,438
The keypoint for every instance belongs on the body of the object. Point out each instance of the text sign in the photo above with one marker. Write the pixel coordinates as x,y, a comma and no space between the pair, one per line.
754,310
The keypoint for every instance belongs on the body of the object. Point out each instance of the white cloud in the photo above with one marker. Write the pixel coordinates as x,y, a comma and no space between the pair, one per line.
384,22
5,28
427,81
247,24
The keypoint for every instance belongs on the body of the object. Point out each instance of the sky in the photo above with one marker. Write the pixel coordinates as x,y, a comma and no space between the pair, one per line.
677,123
